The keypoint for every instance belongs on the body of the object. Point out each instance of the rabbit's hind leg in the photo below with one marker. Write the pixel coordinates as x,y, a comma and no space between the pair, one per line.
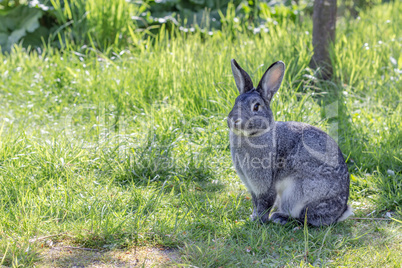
323,212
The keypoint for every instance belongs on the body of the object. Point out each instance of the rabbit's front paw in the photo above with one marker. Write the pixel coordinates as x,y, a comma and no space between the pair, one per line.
279,217
254,216
262,218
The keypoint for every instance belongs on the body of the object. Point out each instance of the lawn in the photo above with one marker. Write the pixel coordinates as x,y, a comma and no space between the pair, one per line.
129,151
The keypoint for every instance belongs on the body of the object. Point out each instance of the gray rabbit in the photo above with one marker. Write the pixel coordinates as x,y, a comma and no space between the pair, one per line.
292,166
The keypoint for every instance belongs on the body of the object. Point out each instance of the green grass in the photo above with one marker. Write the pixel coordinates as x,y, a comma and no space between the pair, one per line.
133,150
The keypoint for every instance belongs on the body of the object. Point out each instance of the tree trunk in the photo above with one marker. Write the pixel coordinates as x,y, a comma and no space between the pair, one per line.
324,25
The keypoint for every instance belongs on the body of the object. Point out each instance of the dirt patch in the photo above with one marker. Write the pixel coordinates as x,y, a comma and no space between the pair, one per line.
63,256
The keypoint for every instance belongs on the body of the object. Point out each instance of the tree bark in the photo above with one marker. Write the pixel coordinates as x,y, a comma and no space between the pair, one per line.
324,25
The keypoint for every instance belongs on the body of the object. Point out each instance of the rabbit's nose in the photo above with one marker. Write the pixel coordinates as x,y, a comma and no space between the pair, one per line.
237,122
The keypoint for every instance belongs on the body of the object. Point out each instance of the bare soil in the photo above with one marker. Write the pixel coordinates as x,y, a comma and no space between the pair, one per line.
61,256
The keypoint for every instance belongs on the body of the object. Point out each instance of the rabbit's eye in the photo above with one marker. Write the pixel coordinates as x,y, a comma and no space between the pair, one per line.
256,107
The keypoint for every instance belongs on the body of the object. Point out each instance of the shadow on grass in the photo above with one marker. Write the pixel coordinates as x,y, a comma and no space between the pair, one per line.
249,243
378,161
157,160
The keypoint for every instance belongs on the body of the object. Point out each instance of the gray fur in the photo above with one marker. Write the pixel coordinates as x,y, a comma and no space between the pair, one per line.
293,166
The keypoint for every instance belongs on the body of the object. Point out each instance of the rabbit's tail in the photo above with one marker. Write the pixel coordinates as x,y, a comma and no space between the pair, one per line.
348,212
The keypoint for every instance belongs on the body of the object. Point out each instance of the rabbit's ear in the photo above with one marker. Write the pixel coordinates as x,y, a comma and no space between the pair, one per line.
243,80
271,80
